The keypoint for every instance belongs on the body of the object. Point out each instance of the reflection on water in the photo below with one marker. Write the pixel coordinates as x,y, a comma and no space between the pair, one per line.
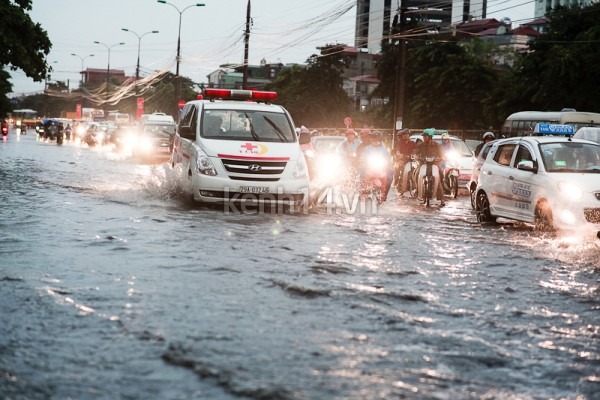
115,285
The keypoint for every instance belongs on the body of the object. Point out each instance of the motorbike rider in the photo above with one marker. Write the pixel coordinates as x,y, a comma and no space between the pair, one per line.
429,148
402,152
378,149
487,137
347,149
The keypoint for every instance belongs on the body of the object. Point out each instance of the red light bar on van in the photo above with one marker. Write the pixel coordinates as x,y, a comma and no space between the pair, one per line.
232,94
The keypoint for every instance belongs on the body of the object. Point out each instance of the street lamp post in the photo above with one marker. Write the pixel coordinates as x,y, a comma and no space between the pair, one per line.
137,69
82,60
108,65
177,80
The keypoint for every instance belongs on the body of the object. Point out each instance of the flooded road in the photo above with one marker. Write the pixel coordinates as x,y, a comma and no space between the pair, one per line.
114,286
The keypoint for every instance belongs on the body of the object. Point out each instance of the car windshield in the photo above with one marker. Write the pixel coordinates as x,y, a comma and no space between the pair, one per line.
327,144
247,125
570,157
459,146
159,128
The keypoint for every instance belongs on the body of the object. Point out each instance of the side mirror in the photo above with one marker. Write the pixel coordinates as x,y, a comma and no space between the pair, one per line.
527,166
304,138
187,132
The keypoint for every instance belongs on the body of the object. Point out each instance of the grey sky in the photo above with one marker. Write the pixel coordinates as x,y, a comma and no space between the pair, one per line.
286,31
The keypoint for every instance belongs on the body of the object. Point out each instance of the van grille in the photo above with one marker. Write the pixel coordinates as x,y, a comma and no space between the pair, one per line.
254,170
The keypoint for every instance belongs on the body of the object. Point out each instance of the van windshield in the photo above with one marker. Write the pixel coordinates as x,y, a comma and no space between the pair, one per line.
247,125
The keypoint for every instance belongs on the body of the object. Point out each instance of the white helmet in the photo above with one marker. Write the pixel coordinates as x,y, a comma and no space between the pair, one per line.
489,135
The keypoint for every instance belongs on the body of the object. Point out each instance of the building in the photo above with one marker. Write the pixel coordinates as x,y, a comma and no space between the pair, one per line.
374,18
231,76
542,7
95,76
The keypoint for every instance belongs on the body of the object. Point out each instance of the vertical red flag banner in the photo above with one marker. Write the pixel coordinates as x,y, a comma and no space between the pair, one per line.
140,108
78,111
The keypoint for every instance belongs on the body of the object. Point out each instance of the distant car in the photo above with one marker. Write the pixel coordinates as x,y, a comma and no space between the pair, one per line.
550,181
463,157
477,163
155,138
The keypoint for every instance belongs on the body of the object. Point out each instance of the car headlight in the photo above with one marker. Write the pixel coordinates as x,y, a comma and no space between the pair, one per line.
569,190
145,144
204,165
300,170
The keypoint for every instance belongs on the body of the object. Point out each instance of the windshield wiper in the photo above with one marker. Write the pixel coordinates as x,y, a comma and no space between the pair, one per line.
277,130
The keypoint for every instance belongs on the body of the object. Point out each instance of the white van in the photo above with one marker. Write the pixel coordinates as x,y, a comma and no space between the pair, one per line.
588,133
234,146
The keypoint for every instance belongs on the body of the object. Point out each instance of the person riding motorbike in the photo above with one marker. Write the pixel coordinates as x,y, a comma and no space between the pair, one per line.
375,163
487,137
347,149
429,148
402,154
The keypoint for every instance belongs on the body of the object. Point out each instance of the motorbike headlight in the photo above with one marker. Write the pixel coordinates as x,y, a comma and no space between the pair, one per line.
570,191
204,165
377,162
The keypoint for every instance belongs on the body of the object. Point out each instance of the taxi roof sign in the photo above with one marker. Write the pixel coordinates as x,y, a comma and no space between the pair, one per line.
553,129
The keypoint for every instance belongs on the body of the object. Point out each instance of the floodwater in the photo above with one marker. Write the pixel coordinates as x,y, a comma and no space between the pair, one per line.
113,285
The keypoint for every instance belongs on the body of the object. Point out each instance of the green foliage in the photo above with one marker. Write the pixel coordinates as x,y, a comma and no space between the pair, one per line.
24,45
563,69
313,94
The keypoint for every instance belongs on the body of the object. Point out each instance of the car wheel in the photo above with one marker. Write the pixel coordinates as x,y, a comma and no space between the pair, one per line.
482,209
543,218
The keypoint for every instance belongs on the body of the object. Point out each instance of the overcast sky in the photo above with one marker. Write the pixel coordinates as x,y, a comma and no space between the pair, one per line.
286,31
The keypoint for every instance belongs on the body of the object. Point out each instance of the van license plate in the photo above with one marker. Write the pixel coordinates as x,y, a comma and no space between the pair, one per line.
254,189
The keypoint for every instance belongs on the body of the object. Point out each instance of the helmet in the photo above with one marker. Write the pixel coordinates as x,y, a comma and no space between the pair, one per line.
488,135
403,131
445,135
429,132
351,131
377,135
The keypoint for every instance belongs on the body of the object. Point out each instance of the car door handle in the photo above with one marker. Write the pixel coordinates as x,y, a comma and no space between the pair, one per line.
487,172
512,178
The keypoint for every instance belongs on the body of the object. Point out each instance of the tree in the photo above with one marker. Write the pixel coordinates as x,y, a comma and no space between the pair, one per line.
24,45
314,94
563,67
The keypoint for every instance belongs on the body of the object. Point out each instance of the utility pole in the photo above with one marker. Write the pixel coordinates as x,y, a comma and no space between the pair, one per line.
400,70
246,45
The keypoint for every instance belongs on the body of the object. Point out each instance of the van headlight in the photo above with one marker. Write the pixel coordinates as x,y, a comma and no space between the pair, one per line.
300,170
204,165
569,190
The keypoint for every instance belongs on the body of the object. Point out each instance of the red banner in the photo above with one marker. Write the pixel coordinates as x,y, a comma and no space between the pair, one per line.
140,108
78,111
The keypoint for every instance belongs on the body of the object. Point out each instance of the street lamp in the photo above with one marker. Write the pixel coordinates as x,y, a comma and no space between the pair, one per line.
82,60
108,65
137,69
177,80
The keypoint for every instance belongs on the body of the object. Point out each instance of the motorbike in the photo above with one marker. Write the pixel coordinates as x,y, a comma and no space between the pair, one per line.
68,132
405,168
374,179
451,174
428,178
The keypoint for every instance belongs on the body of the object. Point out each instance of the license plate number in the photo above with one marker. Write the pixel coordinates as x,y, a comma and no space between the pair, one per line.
254,189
